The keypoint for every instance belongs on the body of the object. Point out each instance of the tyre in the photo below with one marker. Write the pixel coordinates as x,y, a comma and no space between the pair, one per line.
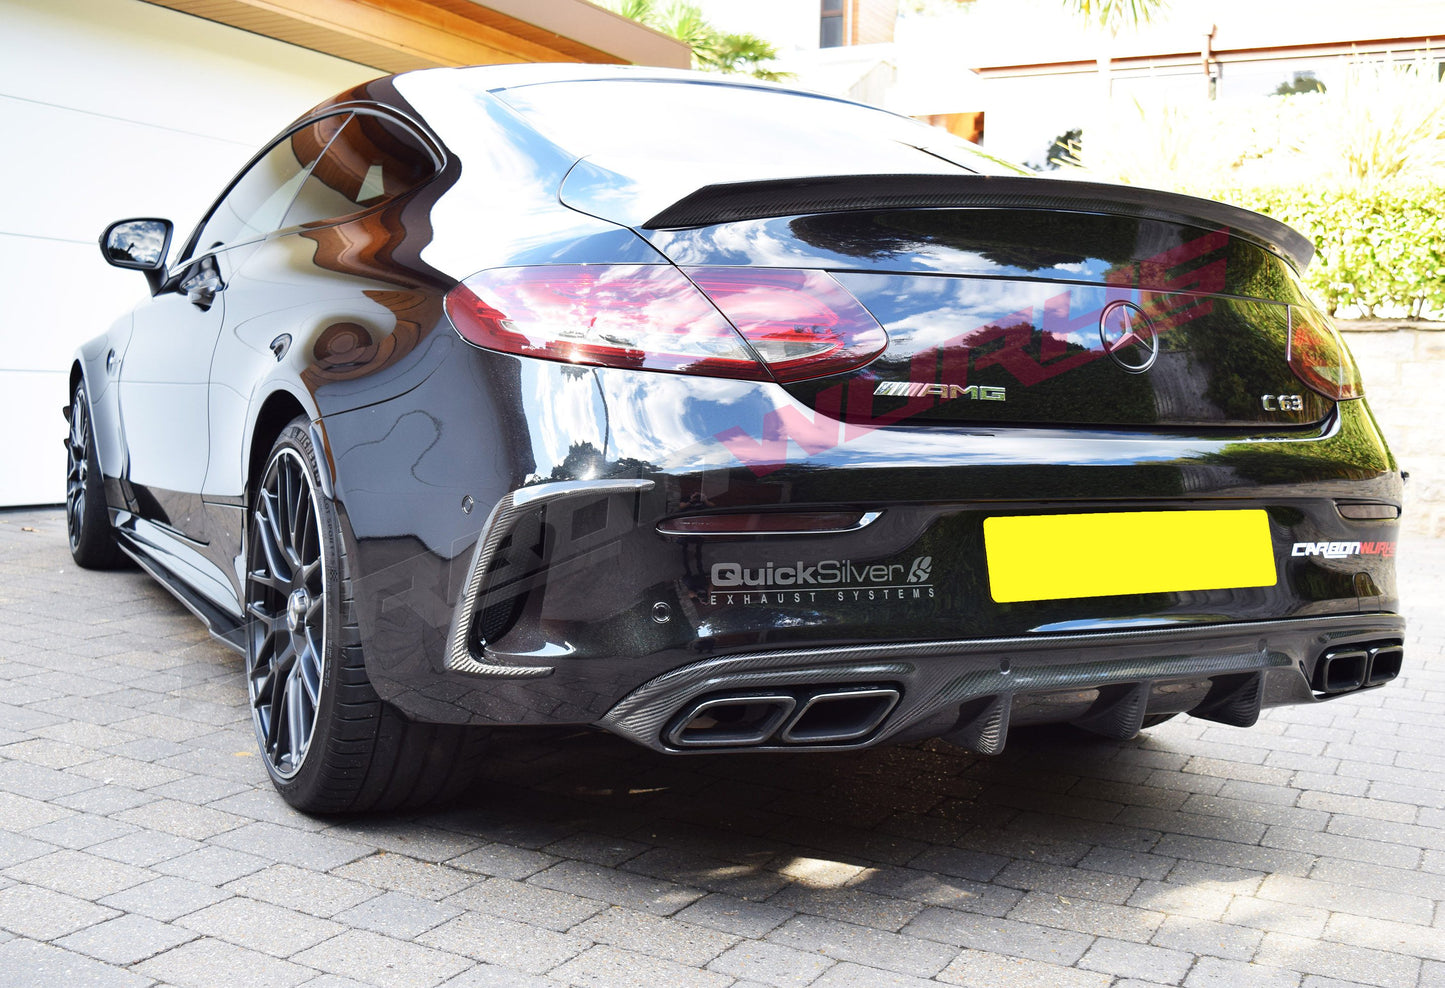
87,520
329,743
1154,720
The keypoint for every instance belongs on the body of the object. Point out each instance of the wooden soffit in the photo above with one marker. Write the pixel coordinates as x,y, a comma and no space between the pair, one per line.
398,35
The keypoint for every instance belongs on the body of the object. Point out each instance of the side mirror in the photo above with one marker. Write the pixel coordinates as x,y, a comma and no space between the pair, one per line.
140,245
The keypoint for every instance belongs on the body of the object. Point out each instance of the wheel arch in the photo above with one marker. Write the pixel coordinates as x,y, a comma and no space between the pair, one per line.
280,408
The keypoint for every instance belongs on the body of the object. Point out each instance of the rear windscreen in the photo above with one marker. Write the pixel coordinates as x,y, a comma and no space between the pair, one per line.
628,117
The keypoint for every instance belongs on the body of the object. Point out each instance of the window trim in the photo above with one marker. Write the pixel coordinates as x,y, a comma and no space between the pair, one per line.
350,109
423,137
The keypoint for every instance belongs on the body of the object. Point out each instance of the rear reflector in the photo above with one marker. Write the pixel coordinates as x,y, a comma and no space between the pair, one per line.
1318,356
775,324
768,523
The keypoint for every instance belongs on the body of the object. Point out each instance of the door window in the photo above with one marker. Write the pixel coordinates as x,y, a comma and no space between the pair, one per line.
257,201
372,159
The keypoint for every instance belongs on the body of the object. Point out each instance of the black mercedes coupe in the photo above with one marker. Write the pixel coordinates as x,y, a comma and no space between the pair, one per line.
722,417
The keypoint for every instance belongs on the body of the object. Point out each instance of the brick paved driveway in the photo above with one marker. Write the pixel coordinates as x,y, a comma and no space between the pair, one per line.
140,841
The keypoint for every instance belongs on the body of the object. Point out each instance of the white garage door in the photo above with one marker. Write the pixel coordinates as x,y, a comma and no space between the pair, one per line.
112,108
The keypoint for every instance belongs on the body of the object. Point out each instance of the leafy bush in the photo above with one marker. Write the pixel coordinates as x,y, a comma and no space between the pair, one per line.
1380,248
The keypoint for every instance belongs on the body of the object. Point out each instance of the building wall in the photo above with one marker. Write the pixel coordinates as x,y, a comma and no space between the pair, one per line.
112,108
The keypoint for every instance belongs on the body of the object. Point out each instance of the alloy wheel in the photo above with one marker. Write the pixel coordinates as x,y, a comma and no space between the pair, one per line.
77,465
286,587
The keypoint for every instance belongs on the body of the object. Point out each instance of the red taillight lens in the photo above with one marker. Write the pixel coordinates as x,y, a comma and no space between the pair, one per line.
646,316
797,324
1318,356
803,324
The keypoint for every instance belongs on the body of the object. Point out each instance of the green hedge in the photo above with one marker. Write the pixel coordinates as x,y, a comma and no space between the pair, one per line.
1381,248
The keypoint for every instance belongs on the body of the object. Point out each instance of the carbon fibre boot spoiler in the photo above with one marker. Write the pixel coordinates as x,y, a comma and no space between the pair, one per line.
840,193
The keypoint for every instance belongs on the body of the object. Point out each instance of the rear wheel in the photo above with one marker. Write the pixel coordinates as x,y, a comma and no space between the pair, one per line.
330,744
87,521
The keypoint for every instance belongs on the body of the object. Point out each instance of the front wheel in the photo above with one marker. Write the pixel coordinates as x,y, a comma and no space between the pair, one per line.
330,744
87,520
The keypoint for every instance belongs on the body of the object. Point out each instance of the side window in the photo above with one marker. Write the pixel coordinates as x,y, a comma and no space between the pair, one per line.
257,202
373,159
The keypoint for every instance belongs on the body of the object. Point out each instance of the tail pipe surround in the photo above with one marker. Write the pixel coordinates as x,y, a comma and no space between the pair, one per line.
777,717
1357,666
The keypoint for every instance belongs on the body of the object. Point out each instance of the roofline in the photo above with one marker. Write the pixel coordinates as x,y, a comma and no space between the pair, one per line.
1191,57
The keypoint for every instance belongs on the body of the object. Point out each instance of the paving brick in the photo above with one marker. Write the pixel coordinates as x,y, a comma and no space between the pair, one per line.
398,873
1137,960
204,963
25,964
608,967
19,812
618,888
1380,934
978,969
732,915
183,819
847,975
1309,956
78,873
771,964
382,960
1348,898
503,861
44,914
536,905
874,948
1198,936
849,905
298,888
164,898
280,843
80,830
1212,972
125,940
211,865
916,885
396,914
518,946
260,926
1097,918
1068,882
1002,936
745,880
643,933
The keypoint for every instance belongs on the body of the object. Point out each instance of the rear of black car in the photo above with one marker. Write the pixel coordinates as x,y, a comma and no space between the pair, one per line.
905,454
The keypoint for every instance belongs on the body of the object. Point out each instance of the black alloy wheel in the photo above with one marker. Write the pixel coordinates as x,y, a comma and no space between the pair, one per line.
87,521
286,603
329,742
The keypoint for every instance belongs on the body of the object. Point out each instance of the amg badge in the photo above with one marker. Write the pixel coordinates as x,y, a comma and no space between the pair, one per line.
947,392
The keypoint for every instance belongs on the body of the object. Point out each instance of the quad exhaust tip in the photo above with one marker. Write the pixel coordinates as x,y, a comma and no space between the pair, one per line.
822,717
1356,667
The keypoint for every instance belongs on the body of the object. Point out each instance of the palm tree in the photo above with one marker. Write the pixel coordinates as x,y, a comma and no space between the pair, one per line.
712,50
1112,15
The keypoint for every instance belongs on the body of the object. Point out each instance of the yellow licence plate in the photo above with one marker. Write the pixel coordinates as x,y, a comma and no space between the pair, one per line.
1051,557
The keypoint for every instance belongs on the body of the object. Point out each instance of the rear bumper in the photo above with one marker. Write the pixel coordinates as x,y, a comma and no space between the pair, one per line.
972,691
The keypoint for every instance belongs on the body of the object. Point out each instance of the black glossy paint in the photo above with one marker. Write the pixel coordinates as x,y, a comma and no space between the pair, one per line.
341,320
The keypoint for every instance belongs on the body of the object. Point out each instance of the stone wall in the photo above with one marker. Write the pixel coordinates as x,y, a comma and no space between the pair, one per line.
1402,365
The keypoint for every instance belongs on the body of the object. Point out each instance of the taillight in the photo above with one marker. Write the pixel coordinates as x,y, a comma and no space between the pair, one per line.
797,324
803,324
1319,357
646,316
